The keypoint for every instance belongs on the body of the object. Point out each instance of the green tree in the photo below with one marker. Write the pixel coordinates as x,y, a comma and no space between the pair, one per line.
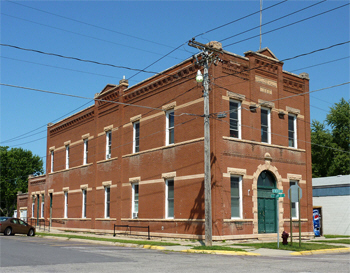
331,147
16,165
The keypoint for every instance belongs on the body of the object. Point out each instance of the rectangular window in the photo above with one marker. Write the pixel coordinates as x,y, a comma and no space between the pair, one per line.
169,127
265,125
52,160
67,157
86,147
295,205
107,201
108,144
235,119
33,204
65,204
136,142
42,205
169,198
236,197
83,214
292,131
135,200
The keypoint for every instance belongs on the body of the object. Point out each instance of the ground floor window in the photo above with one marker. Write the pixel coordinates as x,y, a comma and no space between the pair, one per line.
169,198
236,196
135,200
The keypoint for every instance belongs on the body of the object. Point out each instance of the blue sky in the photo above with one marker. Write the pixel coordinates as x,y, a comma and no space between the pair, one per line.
135,34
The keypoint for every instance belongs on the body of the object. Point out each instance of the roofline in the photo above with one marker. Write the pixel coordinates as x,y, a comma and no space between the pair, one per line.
69,116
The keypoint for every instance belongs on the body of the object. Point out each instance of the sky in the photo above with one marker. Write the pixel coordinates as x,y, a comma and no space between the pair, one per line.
127,36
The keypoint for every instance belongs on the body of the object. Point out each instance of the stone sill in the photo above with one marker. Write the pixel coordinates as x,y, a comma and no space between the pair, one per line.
73,168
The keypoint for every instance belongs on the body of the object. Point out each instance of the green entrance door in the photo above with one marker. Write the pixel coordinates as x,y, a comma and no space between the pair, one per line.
266,205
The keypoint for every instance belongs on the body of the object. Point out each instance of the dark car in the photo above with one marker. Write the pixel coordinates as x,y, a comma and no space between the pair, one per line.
11,226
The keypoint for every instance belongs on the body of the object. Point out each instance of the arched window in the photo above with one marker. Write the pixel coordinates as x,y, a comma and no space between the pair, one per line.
266,180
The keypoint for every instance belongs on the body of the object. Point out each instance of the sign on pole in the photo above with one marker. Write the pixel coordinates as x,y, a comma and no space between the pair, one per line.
276,193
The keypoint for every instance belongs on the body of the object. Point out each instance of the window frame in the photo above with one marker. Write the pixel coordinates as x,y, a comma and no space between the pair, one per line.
240,197
65,204
84,198
296,204
170,131
268,124
135,200
294,131
33,206
136,137
239,121
85,154
167,198
107,213
52,160
108,144
67,157
42,207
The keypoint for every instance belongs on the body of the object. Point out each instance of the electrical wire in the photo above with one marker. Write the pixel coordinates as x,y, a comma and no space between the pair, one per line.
88,36
273,30
275,20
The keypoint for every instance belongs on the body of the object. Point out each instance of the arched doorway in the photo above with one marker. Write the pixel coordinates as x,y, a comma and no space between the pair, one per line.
266,204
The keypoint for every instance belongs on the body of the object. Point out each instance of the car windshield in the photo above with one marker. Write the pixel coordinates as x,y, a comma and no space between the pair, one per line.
2,219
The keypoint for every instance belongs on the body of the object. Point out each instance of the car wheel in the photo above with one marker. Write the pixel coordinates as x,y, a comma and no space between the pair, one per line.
8,231
31,232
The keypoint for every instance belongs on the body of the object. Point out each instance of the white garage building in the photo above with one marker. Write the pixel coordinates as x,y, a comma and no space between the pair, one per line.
332,196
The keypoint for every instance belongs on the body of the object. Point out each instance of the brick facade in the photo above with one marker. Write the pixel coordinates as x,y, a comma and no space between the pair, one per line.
255,81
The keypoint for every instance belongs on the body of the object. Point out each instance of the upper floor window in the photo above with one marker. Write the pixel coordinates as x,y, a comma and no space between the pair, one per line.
67,157
169,198
135,200
108,144
265,125
136,142
235,119
169,127
292,131
236,196
86,149
52,159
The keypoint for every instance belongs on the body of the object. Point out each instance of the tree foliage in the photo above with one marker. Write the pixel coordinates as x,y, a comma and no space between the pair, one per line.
331,147
16,165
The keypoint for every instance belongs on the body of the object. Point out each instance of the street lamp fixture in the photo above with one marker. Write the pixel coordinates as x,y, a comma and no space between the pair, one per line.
199,77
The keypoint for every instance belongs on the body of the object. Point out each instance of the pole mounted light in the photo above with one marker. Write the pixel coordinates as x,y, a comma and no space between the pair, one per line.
199,77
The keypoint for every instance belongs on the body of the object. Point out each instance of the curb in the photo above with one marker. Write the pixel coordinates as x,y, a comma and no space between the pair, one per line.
224,252
153,247
322,251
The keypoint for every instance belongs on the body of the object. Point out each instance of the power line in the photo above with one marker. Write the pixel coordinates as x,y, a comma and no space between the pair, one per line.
320,64
76,59
63,68
282,17
88,36
288,25
88,24
79,97
241,18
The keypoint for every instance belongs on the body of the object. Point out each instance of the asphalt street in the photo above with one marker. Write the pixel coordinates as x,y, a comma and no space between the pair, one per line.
35,254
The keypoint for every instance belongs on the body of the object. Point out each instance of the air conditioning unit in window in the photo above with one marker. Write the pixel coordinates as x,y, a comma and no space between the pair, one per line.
108,156
135,215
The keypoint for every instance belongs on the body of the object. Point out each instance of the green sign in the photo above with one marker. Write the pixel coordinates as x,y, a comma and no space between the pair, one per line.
278,195
277,191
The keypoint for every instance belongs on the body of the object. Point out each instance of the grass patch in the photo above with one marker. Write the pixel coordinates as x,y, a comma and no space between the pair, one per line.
136,242
336,236
338,241
295,247
226,248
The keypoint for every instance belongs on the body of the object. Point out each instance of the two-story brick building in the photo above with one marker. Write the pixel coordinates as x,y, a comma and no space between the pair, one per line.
136,157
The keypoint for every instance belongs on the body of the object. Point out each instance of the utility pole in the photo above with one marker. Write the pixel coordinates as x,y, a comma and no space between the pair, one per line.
207,55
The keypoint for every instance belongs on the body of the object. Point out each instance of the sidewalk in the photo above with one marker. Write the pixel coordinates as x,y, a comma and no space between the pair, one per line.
186,246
